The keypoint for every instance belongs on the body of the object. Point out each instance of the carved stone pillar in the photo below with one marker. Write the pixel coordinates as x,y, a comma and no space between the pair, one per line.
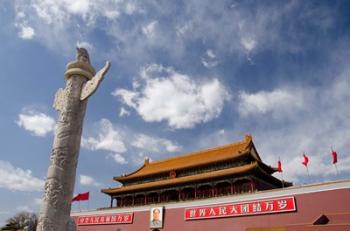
71,103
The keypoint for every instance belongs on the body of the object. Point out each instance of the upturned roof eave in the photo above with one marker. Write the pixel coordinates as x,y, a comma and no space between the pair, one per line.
125,177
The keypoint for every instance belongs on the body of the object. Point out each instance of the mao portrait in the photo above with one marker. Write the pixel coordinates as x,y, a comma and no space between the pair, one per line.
156,217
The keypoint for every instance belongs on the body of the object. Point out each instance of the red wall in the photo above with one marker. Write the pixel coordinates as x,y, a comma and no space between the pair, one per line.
309,207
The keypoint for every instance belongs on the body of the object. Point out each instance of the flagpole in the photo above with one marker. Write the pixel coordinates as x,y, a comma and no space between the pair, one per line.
282,179
281,173
79,207
336,169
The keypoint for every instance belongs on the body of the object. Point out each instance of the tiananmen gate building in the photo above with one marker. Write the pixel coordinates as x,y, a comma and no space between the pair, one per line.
222,188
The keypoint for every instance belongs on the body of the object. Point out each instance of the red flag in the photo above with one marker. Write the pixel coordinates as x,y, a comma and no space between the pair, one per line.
335,156
306,160
81,197
279,166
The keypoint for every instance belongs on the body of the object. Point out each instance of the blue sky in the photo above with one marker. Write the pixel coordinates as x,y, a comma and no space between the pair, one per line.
185,75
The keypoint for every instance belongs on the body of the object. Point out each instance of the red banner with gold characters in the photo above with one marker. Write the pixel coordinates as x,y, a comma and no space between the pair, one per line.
275,205
122,218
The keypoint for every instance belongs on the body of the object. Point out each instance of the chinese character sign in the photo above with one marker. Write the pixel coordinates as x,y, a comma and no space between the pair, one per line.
122,218
277,205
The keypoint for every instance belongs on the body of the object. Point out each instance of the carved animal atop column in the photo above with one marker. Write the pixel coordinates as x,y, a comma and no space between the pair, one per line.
83,55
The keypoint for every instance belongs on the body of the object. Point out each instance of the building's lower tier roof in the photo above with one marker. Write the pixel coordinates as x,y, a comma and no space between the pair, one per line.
229,172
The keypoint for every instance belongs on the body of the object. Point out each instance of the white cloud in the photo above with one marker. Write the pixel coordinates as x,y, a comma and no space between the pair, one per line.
59,24
123,112
85,45
154,144
128,97
24,208
278,101
209,64
210,54
248,43
26,32
108,139
209,59
4,213
78,7
21,14
88,181
181,30
18,179
319,167
130,8
174,97
112,14
216,138
53,12
38,201
39,124
119,142
118,158
317,118
150,30
140,158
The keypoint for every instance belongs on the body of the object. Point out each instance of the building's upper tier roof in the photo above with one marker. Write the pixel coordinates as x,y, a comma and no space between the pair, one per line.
198,158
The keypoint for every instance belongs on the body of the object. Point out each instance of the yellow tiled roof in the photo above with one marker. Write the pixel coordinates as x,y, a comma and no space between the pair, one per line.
199,158
185,179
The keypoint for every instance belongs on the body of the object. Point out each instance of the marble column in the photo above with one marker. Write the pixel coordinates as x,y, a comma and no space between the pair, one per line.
70,102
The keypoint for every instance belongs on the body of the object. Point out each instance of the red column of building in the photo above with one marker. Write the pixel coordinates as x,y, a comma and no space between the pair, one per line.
252,185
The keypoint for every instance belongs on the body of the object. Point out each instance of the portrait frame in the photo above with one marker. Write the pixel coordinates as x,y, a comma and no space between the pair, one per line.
156,217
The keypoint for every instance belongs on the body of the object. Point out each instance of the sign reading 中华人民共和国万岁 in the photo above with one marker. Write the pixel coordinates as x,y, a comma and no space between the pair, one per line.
122,218
264,206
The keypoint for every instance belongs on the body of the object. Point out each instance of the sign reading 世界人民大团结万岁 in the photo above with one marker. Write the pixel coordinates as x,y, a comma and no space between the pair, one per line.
122,218
275,205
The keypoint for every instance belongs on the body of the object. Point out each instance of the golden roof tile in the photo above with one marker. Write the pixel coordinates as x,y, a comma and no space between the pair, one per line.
198,158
